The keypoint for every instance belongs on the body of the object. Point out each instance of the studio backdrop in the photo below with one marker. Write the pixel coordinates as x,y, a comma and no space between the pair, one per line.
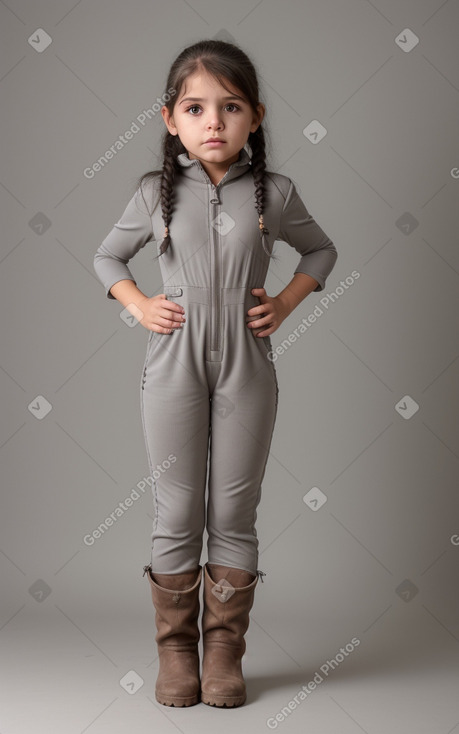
358,522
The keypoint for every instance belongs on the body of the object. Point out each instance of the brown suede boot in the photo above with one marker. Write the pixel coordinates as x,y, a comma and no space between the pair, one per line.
176,601
225,621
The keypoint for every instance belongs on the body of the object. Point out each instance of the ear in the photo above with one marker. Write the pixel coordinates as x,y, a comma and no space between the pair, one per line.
168,120
258,118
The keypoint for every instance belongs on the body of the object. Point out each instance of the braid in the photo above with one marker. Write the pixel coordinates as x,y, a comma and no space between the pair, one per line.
257,144
171,145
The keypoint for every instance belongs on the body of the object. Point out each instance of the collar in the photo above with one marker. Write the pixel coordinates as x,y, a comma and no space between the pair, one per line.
192,168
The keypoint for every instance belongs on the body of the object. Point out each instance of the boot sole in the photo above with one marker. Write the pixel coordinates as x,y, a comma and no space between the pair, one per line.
222,701
177,701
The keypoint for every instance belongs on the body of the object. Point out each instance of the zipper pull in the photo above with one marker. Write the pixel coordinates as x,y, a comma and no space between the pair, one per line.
215,195
260,574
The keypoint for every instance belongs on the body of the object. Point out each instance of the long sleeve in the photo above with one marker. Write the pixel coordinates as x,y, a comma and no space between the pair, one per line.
300,230
128,235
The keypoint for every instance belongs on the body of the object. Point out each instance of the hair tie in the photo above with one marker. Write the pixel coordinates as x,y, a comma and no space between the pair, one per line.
263,232
261,225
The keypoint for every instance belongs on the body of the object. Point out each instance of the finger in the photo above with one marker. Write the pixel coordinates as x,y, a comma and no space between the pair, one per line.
255,310
259,322
167,324
172,306
253,325
261,332
259,312
172,315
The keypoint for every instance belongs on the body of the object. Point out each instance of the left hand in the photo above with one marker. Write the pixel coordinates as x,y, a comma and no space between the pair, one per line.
264,319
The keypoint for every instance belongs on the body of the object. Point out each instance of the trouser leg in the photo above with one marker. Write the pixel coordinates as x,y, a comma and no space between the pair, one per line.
242,424
175,418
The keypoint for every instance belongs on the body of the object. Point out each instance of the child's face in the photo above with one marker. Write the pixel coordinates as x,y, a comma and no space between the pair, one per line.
214,112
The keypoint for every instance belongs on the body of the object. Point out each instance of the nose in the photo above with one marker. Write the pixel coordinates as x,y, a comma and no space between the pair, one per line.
214,120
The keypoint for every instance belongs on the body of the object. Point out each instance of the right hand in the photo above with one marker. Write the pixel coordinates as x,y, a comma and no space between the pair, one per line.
161,315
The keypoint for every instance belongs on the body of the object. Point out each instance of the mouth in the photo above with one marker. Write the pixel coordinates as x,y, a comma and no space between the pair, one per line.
214,141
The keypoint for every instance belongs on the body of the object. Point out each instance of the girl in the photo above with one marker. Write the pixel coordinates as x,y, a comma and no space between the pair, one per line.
209,387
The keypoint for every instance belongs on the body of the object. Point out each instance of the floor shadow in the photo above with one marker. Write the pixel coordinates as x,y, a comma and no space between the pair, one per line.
361,664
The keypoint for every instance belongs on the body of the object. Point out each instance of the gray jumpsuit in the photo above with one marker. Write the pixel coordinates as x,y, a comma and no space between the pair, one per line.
208,391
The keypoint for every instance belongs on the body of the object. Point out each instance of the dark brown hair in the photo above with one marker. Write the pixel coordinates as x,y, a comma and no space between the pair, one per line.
226,62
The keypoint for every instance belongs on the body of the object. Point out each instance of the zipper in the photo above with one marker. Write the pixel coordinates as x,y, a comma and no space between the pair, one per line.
215,290
215,313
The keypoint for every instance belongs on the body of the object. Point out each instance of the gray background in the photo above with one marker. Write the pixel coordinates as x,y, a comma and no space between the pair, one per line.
378,560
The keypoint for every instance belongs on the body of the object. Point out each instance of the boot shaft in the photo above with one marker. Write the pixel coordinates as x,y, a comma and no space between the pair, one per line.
177,608
226,608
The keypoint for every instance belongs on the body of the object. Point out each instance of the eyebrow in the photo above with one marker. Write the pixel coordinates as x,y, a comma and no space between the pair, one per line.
199,99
